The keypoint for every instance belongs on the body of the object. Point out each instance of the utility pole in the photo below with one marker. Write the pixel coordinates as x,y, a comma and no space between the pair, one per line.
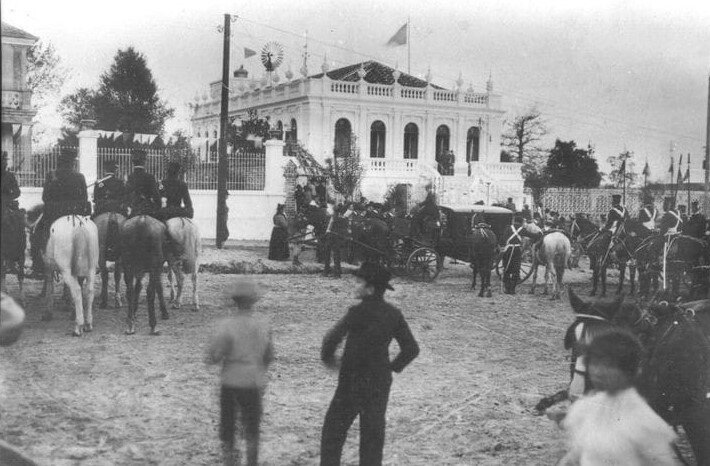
222,167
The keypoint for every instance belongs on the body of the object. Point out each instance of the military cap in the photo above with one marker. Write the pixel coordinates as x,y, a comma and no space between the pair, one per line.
375,274
616,197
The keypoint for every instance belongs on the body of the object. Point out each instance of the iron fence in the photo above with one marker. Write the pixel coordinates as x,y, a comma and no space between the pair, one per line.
32,167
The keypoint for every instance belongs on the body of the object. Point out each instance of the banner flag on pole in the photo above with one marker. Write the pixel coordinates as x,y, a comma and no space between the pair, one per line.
623,167
248,52
399,37
687,171
680,169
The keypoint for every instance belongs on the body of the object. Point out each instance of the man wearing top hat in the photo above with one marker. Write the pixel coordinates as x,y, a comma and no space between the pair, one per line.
142,189
64,193
109,191
365,368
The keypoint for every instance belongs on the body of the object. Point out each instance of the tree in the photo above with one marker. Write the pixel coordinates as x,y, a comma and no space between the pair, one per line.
523,142
617,175
126,100
345,173
45,75
569,166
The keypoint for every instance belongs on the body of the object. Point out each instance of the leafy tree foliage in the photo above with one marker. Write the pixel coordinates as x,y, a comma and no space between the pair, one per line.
45,75
570,166
617,175
522,141
345,173
126,100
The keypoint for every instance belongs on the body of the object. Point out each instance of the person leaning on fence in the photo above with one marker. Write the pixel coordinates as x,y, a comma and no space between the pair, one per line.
278,244
177,197
141,188
242,345
613,424
109,192
365,369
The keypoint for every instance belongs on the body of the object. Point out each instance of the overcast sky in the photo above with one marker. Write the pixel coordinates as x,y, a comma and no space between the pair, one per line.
618,74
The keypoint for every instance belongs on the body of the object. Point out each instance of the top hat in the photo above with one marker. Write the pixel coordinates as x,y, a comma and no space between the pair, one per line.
138,157
375,274
616,197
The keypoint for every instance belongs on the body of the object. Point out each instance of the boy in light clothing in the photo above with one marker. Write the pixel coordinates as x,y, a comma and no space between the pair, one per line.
242,344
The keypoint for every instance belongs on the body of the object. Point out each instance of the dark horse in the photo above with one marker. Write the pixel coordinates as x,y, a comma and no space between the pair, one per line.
623,253
318,218
675,370
690,255
12,247
483,250
142,242
581,232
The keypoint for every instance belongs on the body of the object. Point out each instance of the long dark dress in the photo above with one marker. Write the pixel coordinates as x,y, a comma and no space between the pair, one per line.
278,245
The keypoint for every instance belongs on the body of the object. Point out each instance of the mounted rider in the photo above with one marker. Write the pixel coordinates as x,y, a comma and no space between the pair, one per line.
178,202
512,255
142,189
65,193
671,222
648,214
613,226
109,191
696,225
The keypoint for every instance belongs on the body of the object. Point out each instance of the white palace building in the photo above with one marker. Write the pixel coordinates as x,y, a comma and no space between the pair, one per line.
404,125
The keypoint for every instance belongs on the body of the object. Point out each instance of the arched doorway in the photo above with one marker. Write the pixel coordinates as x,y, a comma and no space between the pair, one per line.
343,130
377,139
293,135
411,141
472,144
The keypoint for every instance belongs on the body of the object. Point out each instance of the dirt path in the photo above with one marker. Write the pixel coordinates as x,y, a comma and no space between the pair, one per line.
108,398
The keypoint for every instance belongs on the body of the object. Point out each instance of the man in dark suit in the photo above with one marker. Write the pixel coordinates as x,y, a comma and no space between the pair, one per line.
109,192
142,189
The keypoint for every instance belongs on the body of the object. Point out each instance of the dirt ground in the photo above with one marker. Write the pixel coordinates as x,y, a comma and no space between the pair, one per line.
108,398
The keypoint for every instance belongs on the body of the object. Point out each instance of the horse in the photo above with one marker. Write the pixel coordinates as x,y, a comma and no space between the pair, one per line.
553,250
371,239
675,367
183,258
109,225
142,243
582,231
12,247
73,251
483,250
684,253
623,253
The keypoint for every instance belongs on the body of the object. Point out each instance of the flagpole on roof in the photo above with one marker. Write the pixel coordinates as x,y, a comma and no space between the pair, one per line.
409,46
687,184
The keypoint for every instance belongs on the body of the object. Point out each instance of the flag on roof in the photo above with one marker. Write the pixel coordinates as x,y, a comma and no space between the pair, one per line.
623,167
248,52
399,37
680,168
670,170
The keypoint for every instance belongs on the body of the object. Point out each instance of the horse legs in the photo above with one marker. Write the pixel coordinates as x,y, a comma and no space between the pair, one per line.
133,290
157,278
622,273
548,276
170,281
103,299
48,293
195,297
151,303
559,274
487,275
74,286
534,277
117,283
602,278
180,279
632,277
594,265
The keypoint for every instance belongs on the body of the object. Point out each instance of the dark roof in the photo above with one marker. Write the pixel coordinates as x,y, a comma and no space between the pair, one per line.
12,31
377,73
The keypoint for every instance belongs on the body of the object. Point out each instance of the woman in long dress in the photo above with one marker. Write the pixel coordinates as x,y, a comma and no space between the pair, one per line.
278,245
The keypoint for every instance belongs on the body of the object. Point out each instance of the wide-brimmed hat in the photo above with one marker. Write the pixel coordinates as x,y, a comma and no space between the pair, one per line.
375,274
243,289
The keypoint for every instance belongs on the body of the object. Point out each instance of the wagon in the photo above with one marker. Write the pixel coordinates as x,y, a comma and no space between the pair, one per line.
456,234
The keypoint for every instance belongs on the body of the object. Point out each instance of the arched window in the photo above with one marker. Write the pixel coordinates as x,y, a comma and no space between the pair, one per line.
343,130
442,142
280,129
199,135
411,141
214,134
377,139
294,130
472,144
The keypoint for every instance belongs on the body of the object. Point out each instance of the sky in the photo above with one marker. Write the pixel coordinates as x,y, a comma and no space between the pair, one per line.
621,75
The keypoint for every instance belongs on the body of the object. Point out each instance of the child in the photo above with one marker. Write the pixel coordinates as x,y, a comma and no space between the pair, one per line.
366,371
613,425
243,345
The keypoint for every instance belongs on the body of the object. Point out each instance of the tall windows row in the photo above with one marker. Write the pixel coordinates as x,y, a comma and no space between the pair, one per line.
378,137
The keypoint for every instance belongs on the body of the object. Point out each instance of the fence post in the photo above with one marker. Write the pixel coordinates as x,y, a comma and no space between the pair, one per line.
88,157
274,167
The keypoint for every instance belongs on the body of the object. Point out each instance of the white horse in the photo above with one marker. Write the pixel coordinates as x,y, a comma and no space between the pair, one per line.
187,241
554,251
73,252
109,227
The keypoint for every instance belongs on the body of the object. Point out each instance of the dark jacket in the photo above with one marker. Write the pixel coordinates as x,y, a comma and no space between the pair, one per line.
616,216
670,220
695,226
142,192
177,195
370,327
65,194
9,186
110,196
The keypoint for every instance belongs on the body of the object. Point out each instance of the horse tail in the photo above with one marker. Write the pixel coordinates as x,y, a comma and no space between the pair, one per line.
193,244
562,258
83,256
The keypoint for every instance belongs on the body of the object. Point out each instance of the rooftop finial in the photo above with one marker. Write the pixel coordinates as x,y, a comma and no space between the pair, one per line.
324,67
428,75
459,82
489,83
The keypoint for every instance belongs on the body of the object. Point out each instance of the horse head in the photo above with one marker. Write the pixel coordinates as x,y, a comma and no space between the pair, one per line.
532,230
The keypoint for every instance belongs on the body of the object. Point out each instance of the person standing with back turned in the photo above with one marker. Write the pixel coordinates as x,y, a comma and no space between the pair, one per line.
365,370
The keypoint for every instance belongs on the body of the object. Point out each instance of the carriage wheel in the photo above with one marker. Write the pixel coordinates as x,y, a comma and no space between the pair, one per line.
526,264
423,264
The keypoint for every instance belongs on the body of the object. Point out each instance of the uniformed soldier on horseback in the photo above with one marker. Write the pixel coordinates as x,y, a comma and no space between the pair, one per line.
64,193
142,189
683,213
648,214
610,231
512,254
13,220
109,192
174,190
671,222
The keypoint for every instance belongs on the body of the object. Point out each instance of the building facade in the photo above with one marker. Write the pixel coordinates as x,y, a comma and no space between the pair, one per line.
406,129
17,111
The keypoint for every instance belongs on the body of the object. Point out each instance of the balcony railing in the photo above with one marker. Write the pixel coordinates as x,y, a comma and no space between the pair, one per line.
393,165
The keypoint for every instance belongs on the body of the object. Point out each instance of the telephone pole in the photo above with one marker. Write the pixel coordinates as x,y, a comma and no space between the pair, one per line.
222,167
707,156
